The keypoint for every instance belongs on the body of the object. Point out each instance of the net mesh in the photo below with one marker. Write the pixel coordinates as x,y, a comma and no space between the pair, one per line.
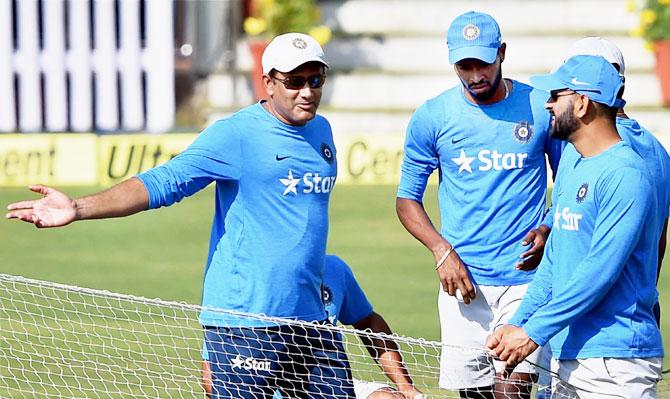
59,341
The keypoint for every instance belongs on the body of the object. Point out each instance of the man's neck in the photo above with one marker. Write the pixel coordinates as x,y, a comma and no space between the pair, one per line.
595,138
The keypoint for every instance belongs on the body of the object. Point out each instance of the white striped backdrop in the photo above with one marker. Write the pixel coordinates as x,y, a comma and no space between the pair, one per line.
98,83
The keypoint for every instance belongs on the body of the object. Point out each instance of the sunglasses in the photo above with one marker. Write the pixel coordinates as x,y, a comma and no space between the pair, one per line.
298,82
554,94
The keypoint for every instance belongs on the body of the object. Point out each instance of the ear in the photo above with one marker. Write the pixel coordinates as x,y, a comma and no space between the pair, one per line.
581,106
268,84
501,52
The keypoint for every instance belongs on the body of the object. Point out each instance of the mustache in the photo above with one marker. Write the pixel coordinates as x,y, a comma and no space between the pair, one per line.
479,83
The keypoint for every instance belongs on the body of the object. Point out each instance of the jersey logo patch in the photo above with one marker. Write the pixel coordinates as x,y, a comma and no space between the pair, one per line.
327,153
326,295
523,132
312,182
470,32
581,193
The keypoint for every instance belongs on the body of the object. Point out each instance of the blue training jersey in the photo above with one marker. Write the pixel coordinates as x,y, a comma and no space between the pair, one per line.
268,239
493,177
343,298
594,290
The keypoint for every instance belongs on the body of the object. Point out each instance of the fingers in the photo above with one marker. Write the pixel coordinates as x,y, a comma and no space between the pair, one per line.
21,205
529,238
40,189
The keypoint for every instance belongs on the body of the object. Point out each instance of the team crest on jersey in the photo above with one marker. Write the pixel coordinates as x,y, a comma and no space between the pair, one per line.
326,295
299,43
470,32
523,132
327,153
581,193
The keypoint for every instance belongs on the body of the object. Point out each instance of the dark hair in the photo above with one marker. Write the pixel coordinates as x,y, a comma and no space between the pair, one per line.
609,112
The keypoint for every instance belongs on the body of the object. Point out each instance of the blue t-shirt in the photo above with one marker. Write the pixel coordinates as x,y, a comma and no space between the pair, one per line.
594,291
654,155
343,298
493,177
268,239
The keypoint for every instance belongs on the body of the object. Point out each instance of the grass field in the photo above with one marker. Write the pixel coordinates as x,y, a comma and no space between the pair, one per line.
162,253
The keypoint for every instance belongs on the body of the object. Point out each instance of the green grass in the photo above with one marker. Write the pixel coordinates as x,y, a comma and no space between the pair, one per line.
161,254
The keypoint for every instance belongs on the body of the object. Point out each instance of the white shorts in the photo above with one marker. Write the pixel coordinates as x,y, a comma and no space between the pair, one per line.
606,378
464,362
363,389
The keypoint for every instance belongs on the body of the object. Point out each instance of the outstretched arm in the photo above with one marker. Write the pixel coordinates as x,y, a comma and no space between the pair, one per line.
385,352
56,209
451,270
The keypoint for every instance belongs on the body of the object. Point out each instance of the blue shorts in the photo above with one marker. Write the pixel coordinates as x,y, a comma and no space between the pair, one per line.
296,361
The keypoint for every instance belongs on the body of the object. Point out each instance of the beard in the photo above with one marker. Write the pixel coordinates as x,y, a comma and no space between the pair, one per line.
485,96
564,125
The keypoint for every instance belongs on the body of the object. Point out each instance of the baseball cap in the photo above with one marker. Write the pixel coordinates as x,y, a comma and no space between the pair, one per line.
598,46
288,51
590,75
474,35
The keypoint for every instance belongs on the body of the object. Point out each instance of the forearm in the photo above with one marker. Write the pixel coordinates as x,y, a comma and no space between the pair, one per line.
123,199
414,218
393,366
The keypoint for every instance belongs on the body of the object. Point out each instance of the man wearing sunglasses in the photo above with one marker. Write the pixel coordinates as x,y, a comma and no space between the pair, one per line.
274,167
593,295
488,137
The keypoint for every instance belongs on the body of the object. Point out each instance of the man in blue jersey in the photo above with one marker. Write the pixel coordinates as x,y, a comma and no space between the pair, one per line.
346,302
488,137
274,167
641,141
592,297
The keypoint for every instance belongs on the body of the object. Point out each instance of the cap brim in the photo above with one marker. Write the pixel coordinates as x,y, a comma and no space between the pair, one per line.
295,63
547,82
486,54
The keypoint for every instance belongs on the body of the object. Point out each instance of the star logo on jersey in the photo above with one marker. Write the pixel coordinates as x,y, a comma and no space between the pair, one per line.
581,193
291,184
523,132
463,162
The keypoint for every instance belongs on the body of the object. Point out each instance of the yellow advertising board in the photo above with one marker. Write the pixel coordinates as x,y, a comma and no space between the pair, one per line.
125,155
89,159
54,159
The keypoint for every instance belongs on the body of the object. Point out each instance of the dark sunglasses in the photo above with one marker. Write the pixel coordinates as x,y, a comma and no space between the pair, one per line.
554,94
298,82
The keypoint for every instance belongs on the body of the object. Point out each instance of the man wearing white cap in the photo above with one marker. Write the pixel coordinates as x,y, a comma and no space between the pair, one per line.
274,167
488,137
592,297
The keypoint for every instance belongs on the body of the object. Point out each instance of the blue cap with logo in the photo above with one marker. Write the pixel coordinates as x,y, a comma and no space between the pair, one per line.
590,75
474,35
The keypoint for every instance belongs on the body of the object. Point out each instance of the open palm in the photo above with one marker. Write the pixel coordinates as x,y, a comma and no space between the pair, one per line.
53,210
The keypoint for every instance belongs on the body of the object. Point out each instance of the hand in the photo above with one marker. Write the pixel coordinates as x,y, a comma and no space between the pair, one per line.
531,258
511,344
55,209
410,392
454,276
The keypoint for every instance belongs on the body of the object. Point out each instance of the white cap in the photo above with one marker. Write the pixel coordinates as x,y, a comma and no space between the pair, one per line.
598,46
288,51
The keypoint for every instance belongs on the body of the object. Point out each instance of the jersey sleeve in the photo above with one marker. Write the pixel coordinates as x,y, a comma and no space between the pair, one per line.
355,305
214,155
420,158
538,293
624,198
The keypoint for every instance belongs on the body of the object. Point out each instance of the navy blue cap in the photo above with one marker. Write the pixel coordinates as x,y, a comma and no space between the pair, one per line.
474,35
590,75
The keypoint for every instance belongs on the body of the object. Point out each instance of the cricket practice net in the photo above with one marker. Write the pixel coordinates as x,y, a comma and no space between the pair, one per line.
59,341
